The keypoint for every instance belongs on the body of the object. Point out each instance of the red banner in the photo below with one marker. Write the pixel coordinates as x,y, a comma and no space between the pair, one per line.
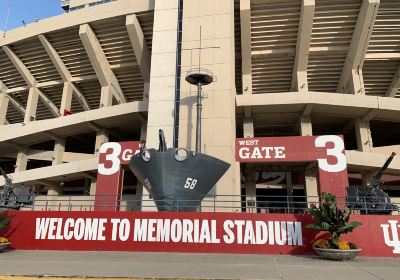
327,150
190,232
110,175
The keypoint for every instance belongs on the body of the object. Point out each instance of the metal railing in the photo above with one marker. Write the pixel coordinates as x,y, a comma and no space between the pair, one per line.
211,203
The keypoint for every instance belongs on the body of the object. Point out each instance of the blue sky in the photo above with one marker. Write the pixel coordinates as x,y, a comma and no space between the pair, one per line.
27,10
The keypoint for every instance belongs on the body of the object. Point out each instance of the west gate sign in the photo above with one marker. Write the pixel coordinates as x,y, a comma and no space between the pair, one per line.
327,150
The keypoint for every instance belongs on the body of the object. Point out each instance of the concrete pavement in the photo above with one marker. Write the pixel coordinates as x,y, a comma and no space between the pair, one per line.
196,266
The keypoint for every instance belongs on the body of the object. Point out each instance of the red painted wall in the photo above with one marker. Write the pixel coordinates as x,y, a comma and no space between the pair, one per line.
370,236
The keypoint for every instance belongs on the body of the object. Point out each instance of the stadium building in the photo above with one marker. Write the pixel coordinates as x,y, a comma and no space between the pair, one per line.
114,71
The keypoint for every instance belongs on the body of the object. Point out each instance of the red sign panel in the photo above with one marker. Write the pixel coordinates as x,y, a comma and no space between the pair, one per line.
327,150
109,182
190,232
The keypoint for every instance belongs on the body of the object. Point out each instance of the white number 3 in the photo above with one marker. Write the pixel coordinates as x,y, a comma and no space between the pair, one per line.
190,183
111,157
336,151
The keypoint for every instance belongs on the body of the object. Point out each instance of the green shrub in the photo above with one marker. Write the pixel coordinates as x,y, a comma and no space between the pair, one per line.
329,218
4,220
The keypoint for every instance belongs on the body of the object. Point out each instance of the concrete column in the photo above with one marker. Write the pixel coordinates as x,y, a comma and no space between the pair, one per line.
311,182
248,127
30,115
363,131
305,126
66,98
249,173
54,191
31,106
3,108
22,160
93,187
250,189
311,185
364,138
289,190
219,124
101,136
59,149
162,73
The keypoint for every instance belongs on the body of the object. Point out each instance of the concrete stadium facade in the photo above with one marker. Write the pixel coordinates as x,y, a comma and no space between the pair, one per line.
107,71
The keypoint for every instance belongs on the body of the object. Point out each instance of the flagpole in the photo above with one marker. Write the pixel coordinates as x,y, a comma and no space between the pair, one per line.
8,16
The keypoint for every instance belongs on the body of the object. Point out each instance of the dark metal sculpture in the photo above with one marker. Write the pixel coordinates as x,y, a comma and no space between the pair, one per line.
15,197
373,199
177,179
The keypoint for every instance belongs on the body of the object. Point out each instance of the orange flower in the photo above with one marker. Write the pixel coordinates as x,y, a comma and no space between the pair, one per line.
321,243
343,245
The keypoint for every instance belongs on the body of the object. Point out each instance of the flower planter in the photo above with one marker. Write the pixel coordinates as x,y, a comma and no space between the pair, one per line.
337,254
4,246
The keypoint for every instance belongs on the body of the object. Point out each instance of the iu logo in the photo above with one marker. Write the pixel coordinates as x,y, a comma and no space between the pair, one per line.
395,241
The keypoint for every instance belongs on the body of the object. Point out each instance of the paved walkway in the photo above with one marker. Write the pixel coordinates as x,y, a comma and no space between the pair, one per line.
196,266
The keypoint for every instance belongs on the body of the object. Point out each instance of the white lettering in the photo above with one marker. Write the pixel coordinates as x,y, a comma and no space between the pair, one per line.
271,240
187,230
52,228
214,238
267,151
114,230
68,232
295,236
112,157
256,153
42,225
248,233
261,233
124,229
205,232
280,152
140,230
79,229
239,231
102,229
91,229
127,155
336,151
151,229
244,153
176,230
163,229
229,237
280,233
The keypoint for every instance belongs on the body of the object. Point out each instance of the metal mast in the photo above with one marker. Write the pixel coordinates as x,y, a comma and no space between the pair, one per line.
199,77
